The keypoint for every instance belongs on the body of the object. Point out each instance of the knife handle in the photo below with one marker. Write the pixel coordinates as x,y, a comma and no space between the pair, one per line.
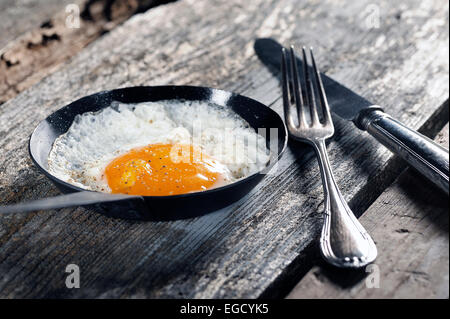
419,151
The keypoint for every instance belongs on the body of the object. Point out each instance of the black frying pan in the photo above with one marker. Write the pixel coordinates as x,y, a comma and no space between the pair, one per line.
151,207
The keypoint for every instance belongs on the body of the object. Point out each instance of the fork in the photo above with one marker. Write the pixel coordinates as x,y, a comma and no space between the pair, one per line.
343,241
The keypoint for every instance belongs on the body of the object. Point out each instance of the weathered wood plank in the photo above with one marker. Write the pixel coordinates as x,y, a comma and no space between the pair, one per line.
57,38
242,250
409,222
20,16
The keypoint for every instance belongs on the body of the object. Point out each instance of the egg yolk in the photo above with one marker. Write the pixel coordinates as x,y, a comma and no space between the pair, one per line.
164,169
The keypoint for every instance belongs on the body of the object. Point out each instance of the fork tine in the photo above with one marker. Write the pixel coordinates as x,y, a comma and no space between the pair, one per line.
310,90
285,88
322,96
297,88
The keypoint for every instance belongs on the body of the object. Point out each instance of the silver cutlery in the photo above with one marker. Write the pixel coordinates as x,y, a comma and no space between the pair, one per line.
417,150
67,200
343,242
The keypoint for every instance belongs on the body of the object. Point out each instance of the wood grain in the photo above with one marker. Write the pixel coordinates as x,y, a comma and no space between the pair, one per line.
409,223
43,48
255,247
20,16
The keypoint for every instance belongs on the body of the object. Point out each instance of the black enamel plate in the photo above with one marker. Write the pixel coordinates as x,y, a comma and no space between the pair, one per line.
163,207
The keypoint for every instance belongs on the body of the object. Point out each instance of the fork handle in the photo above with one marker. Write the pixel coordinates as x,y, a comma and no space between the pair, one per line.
67,200
344,242
419,151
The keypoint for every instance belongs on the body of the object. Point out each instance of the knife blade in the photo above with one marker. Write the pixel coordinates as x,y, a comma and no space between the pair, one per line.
423,154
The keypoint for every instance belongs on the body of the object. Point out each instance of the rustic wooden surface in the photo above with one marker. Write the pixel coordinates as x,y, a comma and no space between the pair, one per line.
409,223
20,16
261,245
44,47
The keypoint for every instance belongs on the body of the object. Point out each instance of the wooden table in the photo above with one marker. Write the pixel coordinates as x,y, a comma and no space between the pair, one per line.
394,54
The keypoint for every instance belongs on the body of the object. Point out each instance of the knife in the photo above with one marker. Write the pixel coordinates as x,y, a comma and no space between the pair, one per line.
419,151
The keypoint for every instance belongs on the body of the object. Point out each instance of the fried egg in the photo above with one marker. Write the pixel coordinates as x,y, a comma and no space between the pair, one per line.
157,148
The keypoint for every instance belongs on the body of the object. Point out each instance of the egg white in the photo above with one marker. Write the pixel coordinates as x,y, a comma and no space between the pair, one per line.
81,155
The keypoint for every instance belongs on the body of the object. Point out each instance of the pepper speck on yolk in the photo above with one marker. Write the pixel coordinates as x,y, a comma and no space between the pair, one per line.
164,169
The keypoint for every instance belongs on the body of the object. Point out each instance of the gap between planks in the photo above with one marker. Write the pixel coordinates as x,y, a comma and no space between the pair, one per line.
409,223
238,252
43,49
306,262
